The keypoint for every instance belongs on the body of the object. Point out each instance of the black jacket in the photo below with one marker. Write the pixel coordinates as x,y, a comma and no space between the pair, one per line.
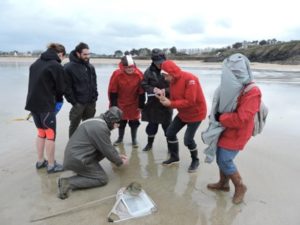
46,83
81,81
154,111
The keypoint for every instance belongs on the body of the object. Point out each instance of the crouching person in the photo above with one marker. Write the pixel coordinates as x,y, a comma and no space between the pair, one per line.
87,146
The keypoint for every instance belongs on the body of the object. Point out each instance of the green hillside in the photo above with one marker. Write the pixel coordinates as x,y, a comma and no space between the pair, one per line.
283,53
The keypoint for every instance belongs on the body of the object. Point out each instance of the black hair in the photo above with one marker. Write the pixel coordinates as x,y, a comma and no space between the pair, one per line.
81,46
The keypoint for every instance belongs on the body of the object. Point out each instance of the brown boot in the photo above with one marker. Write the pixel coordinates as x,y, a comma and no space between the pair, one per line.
240,188
222,185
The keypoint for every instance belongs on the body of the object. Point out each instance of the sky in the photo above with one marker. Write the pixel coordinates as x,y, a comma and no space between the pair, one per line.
110,25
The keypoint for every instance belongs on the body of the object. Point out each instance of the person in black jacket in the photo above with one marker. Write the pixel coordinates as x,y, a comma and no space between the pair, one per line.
81,86
44,99
154,112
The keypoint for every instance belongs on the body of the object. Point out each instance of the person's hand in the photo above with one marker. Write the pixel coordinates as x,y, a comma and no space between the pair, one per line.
160,92
58,106
124,159
164,100
156,90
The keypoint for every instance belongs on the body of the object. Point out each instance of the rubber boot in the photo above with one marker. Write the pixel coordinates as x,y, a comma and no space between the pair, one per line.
195,161
120,138
222,185
240,188
148,147
133,137
63,188
173,148
65,185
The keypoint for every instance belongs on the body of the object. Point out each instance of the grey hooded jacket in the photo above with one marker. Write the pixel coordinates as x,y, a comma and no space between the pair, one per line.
236,74
88,145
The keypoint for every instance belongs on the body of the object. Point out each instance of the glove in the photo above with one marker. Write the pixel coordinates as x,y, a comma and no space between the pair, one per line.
217,116
58,106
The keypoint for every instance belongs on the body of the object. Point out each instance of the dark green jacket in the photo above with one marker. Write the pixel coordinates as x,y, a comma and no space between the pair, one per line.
87,146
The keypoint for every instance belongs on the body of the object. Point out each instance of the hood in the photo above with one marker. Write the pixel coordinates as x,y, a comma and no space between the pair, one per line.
50,54
235,75
73,58
111,116
239,67
123,69
171,68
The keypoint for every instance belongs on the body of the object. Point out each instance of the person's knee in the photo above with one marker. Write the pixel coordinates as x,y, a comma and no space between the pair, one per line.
186,142
102,181
76,114
123,124
189,143
134,123
227,167
50,134
41,133
151,129
171,135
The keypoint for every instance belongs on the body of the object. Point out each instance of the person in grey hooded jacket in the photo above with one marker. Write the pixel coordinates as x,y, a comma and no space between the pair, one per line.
90,144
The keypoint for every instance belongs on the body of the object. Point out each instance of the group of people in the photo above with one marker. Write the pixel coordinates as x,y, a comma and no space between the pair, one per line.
166,87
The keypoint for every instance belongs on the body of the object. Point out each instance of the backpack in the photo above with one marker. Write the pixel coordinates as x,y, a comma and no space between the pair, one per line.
261,116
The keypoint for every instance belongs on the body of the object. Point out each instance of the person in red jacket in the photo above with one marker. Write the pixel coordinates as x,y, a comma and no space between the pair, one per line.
125,92
187,97
235,111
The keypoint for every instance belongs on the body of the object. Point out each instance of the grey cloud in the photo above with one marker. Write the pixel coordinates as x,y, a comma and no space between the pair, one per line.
190,26
129,30
224,23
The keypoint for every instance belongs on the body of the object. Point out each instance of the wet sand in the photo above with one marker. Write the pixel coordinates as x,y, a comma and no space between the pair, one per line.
269,165
270,173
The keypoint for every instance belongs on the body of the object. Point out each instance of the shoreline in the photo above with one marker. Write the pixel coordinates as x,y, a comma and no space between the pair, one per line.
192,63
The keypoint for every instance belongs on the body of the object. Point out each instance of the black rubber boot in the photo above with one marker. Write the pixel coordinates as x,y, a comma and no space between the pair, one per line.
63,188
173,149
148,147
133,137
195,161
120,138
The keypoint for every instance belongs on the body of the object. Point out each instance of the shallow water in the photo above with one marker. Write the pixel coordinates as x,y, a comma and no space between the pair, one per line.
269,165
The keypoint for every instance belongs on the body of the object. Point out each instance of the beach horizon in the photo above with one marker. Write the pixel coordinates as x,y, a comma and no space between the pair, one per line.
144,62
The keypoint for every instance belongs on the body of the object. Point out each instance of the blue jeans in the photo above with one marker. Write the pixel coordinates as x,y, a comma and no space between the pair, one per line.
176,125
225,160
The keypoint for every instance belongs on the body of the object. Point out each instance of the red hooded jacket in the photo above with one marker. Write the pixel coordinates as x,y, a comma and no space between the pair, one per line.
186,94
128,87
239,124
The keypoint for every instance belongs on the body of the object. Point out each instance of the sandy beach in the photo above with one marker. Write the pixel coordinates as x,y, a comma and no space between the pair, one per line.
269,165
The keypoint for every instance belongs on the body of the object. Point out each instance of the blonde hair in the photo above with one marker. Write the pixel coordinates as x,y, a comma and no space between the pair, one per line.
58,48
